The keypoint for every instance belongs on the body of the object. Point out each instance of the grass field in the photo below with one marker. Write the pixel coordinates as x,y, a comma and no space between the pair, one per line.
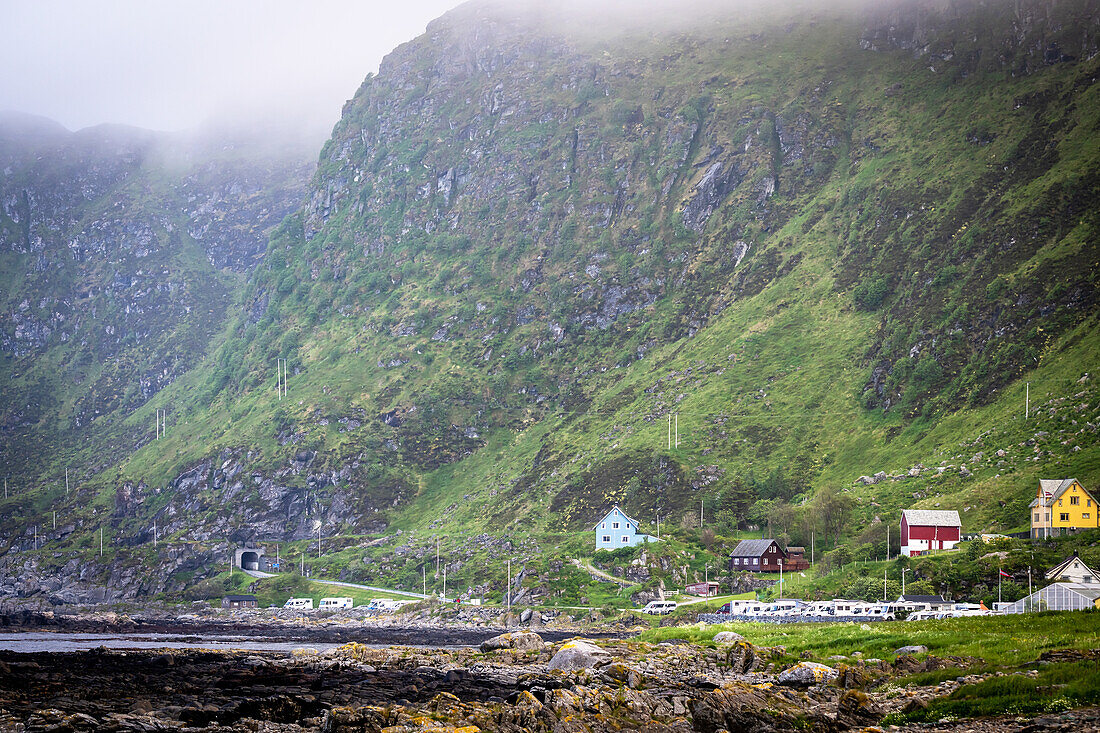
1006,646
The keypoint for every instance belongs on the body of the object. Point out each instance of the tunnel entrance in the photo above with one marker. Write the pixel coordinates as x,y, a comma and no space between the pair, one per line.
248,558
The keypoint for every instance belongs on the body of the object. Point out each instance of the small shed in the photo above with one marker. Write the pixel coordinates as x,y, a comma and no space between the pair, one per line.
240,602
796,559
706,590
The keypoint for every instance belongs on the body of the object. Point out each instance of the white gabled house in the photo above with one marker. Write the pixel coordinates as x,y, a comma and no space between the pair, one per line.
617,530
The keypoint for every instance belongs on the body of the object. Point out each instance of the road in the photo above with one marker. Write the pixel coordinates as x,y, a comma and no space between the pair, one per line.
340,583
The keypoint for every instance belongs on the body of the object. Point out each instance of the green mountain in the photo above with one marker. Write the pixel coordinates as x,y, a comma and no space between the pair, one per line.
793,266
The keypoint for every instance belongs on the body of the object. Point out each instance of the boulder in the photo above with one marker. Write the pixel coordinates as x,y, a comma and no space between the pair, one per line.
727,637
912,649
523,640
807,673
578,654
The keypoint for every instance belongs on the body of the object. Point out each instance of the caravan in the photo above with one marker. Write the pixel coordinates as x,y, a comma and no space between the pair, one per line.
301,604
332,604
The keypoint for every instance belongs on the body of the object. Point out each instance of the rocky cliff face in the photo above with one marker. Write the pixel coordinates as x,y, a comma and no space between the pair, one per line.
526,251
119,247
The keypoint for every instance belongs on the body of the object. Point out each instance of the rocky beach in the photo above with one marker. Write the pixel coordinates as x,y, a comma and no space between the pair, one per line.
515,681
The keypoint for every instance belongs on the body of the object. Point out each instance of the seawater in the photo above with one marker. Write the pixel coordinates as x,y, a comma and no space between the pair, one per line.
49,641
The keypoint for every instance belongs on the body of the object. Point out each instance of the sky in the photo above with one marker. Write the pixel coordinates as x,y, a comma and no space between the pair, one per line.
180,64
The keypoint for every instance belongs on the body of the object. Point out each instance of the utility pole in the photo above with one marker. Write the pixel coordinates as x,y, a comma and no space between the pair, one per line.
101,541
444,583
780,577
903,572
508,586
884,599
303,564
280,377
318,542
1030,600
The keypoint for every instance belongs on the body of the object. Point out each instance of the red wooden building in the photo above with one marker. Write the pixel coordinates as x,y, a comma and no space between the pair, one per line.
929,529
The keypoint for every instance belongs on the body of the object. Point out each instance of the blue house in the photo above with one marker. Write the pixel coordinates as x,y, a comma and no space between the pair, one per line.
617,530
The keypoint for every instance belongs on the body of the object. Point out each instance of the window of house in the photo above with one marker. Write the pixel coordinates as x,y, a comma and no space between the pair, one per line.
1084,515
736,561
614,525
604,525
1074,500
765,561
1036,516
1063,517
607,538
625,539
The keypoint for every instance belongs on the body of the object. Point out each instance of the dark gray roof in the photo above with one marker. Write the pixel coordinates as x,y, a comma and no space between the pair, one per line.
752,548
924,599
240,598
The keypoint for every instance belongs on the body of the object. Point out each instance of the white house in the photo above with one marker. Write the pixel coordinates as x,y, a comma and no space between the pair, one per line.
617,530
1073,570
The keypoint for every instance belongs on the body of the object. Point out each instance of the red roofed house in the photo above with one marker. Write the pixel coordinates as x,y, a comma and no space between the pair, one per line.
928,529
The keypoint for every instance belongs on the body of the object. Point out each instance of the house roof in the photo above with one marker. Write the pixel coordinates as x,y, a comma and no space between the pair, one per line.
1055,571
240,598
1053,488
612,511
753,548
931,517
923,599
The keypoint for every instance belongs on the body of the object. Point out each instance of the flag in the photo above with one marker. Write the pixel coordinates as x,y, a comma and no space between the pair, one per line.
1004,574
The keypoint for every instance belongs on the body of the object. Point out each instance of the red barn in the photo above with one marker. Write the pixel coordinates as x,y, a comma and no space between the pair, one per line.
928,529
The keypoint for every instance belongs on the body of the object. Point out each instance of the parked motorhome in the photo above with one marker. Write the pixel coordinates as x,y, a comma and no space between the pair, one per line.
659,608
302,604
331,604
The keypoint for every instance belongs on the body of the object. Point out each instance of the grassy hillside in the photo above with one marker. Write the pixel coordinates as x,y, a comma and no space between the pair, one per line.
822,244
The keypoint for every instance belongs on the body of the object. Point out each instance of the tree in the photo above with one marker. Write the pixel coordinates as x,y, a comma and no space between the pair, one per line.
834,507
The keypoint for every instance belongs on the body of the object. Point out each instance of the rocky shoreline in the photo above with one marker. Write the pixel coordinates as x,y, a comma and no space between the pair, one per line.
287,626
512,682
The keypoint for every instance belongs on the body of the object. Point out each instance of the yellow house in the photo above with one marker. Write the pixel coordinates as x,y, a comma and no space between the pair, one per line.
1062,506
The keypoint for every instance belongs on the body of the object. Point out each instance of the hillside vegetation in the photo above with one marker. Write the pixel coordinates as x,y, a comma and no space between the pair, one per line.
814,243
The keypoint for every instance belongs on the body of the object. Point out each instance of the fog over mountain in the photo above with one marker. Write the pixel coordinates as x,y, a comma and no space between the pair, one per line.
173,66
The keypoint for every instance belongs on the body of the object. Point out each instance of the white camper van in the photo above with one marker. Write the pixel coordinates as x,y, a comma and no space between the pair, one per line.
331,604
301,604
659,608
